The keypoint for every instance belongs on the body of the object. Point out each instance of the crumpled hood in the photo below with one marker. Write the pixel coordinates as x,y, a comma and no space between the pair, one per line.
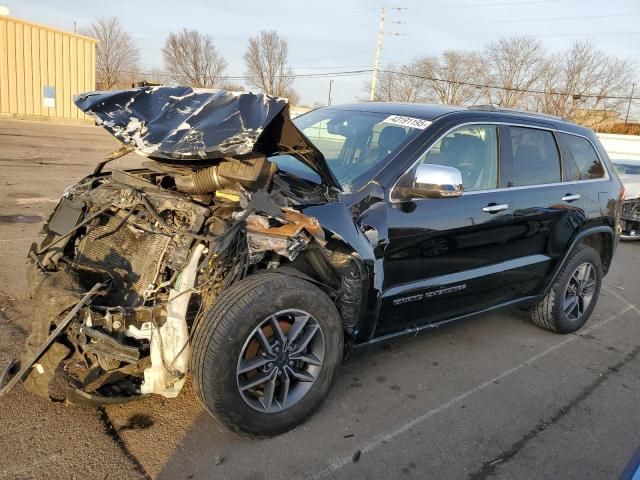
192,124
632,186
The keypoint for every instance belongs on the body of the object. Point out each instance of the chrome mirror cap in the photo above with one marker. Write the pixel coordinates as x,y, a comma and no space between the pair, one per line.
437,181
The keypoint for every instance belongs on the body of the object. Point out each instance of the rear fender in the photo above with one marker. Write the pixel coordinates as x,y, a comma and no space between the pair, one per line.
584,237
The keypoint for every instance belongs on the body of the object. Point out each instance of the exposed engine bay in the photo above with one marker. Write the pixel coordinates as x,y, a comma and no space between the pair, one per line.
155,246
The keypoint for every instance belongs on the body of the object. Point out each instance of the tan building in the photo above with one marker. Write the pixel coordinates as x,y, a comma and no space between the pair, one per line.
42,68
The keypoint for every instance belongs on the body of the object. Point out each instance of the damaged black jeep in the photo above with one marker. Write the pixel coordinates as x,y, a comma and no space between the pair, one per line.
251,249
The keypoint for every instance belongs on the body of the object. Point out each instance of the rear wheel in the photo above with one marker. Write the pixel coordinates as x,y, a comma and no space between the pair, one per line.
573,296
265,355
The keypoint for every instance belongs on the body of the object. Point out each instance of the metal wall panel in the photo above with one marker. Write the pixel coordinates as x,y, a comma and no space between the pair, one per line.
4,76
33,57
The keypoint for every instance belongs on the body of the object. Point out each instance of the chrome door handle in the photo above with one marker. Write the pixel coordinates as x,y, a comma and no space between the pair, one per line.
570,197
495,208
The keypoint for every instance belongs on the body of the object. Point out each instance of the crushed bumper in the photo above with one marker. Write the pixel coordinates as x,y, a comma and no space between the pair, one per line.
29,368
630,229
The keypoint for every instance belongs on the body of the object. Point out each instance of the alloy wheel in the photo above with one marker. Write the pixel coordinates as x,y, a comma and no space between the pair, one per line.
280,361
580,291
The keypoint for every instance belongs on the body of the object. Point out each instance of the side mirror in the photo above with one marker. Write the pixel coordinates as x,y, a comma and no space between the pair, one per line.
434,181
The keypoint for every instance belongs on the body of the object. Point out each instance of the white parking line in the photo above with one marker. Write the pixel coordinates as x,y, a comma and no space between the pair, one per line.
18,239
620,297
22,469
35,200
384,437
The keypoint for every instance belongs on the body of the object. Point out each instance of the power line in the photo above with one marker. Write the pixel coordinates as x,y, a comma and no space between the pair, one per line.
264,25
474,5
347,73
581,34
547,19
344,54
513,89
342,73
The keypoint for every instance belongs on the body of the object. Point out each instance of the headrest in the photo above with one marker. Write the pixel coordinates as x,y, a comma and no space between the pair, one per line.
391,137
527,153
461,143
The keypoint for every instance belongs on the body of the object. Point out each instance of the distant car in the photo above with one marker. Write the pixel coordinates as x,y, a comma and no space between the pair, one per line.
629,173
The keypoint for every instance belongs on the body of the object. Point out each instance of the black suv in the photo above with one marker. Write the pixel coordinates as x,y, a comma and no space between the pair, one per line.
252,249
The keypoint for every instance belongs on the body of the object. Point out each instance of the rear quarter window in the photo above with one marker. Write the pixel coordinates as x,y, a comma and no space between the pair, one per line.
579,159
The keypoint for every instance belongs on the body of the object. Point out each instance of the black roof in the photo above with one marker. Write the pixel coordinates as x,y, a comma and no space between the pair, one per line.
432,112
418,110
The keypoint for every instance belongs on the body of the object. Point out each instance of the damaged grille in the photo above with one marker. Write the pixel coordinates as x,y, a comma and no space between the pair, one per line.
130,255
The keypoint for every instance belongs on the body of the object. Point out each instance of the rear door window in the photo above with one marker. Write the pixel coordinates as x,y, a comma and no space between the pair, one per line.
579,159
536,160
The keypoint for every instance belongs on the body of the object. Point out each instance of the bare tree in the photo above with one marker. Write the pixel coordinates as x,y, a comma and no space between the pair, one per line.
191,59
266,60
232,87
386,90
451,77
579,85
116,55
583,84
515,65
399,84
156,75
448,79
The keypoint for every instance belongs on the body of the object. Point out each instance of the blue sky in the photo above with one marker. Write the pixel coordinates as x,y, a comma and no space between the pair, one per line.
333,35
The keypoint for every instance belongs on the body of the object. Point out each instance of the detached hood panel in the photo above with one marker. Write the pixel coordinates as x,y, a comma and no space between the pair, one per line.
189,125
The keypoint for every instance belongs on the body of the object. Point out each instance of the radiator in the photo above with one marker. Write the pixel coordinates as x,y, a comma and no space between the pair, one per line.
131,256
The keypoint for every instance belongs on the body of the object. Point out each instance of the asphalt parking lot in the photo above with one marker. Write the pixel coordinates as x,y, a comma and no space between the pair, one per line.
492,397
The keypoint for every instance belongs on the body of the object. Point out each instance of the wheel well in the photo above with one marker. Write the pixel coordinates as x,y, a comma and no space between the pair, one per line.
343,277
603,244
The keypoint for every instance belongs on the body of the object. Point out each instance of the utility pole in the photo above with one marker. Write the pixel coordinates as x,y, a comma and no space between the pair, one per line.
374,78
376,61
633,87
329,100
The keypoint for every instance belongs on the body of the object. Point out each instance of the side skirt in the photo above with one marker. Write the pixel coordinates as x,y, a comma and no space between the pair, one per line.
415,330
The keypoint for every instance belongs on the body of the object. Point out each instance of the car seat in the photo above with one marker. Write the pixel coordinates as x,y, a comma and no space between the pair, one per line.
390,137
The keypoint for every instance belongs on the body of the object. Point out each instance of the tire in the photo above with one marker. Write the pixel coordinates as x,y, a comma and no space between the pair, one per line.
550,312
232,329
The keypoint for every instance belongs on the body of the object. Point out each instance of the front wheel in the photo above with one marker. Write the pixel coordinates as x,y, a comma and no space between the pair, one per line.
265,354
573,295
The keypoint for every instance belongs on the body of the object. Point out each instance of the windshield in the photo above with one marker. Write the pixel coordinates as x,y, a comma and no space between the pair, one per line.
290,164
353,142
627,168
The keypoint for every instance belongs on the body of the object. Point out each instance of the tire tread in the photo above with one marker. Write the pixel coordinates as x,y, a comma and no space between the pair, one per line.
543,314
218,324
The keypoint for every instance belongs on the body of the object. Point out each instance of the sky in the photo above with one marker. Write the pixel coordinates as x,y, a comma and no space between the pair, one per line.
340,35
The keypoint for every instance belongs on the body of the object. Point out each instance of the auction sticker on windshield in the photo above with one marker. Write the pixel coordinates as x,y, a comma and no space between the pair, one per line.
407,121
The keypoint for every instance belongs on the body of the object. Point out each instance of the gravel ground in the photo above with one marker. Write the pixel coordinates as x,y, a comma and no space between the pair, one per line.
492,397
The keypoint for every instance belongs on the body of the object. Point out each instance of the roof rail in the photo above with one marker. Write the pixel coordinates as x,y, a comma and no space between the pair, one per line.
490,107
487,107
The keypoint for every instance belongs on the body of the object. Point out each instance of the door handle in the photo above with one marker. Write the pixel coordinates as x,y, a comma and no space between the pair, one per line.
495,208
571,197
